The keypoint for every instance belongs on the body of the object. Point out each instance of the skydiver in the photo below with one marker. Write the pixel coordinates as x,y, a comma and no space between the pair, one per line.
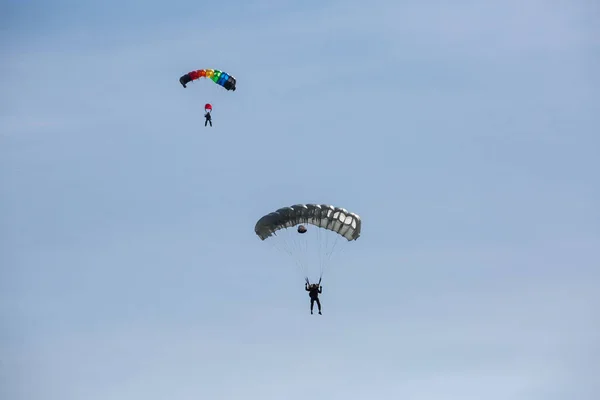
313,290
208,118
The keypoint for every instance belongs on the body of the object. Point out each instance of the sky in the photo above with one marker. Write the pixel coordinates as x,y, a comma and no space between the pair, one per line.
465,135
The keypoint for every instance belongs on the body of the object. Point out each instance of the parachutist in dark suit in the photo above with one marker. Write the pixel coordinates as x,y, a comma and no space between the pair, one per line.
313,291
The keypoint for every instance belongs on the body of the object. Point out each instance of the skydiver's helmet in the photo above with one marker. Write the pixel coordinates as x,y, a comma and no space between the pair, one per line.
301,229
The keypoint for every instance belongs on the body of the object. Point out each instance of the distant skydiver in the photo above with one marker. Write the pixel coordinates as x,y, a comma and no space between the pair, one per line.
208,118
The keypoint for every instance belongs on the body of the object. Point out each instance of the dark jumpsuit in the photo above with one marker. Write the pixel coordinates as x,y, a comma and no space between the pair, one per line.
208,119
313,292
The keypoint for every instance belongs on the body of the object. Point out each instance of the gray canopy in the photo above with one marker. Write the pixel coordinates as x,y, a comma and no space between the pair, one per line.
324,216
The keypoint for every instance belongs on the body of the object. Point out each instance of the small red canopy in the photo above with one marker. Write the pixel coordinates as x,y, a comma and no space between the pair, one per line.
207,107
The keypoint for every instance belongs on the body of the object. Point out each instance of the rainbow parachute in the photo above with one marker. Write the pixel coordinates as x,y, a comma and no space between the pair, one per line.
219,77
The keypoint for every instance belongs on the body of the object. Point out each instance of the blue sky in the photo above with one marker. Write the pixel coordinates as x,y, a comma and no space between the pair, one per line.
465,135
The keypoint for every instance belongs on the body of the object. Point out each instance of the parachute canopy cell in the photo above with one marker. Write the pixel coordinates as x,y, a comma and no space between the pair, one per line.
324,216
221,78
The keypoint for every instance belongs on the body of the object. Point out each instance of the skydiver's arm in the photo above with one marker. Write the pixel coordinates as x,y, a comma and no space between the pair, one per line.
320,289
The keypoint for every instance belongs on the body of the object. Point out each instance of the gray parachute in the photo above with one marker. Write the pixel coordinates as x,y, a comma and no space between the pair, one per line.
309,249
325,216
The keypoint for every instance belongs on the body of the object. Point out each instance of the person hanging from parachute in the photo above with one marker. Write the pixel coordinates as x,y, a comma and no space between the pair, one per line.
207,116
333,224
314,289
221,78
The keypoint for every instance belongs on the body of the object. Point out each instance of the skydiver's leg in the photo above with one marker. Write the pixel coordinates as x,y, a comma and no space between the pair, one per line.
210,122
312,304
205,122
318,304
